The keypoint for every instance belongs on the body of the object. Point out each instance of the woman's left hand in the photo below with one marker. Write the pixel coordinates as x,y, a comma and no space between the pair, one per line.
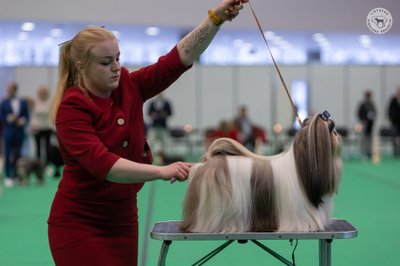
229,9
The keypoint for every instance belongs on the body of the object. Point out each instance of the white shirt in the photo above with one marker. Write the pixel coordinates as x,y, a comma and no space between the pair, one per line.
15,105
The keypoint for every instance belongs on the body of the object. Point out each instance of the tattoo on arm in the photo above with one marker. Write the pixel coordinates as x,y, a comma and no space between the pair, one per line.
195,40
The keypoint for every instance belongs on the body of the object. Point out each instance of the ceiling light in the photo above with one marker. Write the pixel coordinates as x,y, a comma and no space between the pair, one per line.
152,31
365,41
318,37
269,34
321,40
28,26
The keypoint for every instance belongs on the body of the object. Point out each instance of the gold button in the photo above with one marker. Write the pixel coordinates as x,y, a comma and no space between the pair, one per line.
125,144
120,121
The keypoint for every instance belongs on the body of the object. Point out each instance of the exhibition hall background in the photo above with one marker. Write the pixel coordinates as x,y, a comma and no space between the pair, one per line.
206,94
325,47
211,92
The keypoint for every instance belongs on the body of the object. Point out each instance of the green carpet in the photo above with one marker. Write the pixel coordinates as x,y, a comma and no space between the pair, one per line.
368,198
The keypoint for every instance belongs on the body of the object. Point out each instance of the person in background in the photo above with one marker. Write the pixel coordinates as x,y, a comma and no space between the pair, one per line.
40,125
226,129
160,109
98,114
14,115
367,114
394,117
244,124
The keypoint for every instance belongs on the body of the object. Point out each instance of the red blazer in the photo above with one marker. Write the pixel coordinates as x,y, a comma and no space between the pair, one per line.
94,133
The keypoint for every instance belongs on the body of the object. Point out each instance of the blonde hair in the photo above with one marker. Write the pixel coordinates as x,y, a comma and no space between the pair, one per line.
78,49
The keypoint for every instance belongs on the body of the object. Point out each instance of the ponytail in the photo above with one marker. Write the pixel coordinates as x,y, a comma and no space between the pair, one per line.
66,78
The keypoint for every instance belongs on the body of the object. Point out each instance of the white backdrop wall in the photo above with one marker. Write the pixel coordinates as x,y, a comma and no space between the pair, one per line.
206,94
254,88
328,91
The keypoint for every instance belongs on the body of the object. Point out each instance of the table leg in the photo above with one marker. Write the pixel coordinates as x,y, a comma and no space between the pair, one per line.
325,252
164,252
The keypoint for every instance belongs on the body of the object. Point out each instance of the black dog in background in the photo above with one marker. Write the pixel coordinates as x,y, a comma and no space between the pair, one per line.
54,157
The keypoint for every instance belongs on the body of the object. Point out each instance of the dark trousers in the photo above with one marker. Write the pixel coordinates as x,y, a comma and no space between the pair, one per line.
42,142
396,141
12,152
366,145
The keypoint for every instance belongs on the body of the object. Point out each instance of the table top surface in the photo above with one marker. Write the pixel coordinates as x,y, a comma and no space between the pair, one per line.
169,230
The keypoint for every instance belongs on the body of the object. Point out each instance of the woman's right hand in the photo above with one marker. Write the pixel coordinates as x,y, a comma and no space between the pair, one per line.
176,171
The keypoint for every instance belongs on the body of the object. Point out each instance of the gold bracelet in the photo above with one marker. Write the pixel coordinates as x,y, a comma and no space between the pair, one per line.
214,18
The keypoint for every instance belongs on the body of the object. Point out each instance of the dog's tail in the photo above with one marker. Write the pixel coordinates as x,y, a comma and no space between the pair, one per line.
227,146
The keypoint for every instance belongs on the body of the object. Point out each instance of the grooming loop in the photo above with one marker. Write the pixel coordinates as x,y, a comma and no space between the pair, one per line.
169,231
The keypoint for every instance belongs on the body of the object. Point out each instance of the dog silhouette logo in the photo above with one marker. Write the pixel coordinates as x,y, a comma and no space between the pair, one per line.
379,20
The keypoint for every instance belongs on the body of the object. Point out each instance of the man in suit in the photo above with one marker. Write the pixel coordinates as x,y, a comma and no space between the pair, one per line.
160,110
14,115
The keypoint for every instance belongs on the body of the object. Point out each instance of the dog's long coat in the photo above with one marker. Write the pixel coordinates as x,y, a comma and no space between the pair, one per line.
235,190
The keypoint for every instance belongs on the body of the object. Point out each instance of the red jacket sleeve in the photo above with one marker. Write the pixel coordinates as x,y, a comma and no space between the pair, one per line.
157,77
79,143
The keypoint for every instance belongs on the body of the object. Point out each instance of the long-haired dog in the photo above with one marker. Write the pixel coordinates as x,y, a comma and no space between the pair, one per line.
235,190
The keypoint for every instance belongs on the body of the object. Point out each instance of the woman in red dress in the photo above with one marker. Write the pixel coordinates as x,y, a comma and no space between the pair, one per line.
98,116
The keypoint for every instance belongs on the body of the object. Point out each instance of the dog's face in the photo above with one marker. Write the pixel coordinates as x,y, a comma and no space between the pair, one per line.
317,149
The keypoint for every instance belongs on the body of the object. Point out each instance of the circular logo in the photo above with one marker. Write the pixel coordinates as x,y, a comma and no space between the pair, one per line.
379,20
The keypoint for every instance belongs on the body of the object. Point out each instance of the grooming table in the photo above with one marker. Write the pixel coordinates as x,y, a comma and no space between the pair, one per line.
168,231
